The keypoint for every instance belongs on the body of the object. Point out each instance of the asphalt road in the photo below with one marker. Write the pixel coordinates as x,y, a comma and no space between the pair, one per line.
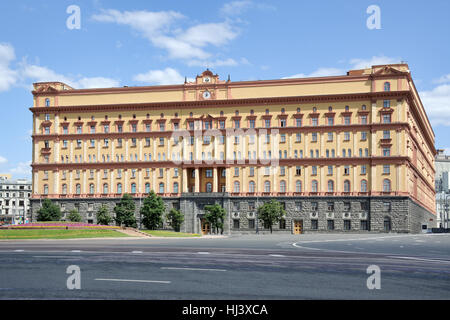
316,266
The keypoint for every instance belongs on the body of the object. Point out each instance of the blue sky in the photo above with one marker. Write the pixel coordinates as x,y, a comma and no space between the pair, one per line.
155,42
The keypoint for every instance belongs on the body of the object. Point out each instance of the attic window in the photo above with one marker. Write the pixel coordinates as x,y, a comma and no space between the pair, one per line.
47,102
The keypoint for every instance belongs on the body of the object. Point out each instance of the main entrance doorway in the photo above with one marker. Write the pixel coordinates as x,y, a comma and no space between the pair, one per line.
206,229
298,226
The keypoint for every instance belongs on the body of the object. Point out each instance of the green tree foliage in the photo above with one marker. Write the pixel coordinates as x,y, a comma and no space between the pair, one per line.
152,211
74,216
124,211
215,216
103,216
49,211
175,218
271,212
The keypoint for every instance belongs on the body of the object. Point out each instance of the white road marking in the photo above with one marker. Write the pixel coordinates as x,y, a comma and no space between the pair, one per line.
19,250
131,280
192,269
136,251
203,252
76,251
58,257
420,259
276,255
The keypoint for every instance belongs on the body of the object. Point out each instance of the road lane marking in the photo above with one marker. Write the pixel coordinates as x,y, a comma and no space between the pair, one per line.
192,269
76,251
136,251
19,250
202,252
132,280
58,257
276,255
419,259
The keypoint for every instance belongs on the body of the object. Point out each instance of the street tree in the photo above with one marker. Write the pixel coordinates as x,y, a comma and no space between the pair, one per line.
103,216
152,211
74,216
49,211
175,218
215,216
124,211
271,212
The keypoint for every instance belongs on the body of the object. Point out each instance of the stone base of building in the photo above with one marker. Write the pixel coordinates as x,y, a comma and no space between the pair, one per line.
303,214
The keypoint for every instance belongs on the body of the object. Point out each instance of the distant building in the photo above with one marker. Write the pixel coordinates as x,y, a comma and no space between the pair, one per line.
442,188
14,200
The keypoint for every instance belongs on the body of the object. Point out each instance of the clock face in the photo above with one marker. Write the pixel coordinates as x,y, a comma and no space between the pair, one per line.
206,79
206,95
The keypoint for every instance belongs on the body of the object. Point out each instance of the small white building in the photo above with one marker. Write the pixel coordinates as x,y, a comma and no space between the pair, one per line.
442,163
14,200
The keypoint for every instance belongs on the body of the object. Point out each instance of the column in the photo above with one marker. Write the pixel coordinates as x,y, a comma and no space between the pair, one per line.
322,180
215,180
168,180
185,181
197,180
228,180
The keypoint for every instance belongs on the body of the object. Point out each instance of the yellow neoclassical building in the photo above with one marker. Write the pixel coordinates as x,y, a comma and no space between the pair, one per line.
342,153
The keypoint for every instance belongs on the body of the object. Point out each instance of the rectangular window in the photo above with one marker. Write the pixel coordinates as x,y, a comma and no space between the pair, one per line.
298,137
386,152
347,225
267,123
237,124
363,169
330,206
209,173
363,119
162,126
298,122
363,135
119,128
346,136
330,136
161,141
346,120
222,124
386,104
347,206
251,206
330,224
251,223
314,137
252,171
235,224
330,170
314,170
282,171
386,134
92,129
92,143
147,127
283,138
106,128
282,123
363,225
133,142
315,122
298,206
298,171
386,206
386,118
330,121
314,224
386,169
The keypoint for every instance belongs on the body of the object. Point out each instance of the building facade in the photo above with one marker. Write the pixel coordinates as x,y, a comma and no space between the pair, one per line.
14,200
442,189
342,153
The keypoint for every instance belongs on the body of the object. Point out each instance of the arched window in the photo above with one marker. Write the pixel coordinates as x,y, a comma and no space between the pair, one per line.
161,187
119,188
251,187
282,186
209,187
133,188
363,185
45,188
314,186
236,186
78,189
386,185
346,186
175,187
47,102
105,188
147,188
64,189
330,186
267,186
91,188
298,186
387,86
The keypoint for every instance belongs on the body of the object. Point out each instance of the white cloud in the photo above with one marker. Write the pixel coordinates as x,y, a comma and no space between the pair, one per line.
159,28
437,104
161,77
22,169
236,7
321,72
375,60
8,77
3,160
443,79
211,64
44,74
